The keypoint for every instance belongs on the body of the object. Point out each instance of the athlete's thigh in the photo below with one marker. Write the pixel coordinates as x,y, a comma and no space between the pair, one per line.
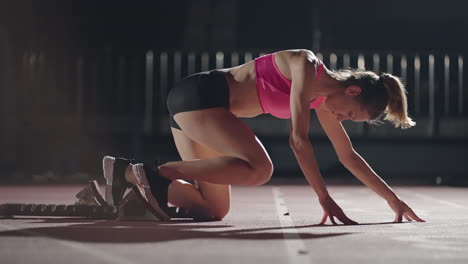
221,131
216,194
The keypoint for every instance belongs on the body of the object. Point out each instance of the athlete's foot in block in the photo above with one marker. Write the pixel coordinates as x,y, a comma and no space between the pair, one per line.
142,183
130,175
115,170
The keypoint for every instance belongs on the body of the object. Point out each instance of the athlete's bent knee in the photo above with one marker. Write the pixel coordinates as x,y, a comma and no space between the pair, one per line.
202,213
219,214
263,173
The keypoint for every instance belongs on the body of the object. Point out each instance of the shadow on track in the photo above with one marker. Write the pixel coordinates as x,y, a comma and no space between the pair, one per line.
102,231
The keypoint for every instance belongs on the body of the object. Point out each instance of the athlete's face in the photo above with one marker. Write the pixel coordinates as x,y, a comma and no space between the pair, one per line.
345,105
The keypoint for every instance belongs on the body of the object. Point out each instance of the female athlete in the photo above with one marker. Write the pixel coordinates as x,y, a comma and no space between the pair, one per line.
218,150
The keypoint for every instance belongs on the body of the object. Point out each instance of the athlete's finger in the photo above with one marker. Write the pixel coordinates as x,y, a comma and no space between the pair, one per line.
398,218
408,218
348,221
345,220
415,217
324,218
333,220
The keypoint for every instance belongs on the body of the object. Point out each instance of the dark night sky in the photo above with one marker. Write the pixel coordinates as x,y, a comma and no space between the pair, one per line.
274,24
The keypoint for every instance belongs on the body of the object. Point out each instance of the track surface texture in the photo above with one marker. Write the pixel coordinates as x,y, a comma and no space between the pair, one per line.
273,223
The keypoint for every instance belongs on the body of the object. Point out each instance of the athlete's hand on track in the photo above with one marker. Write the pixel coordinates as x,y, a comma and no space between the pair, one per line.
401,209
331,209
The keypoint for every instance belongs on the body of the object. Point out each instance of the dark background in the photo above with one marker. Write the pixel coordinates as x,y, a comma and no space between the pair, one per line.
72,78
361,24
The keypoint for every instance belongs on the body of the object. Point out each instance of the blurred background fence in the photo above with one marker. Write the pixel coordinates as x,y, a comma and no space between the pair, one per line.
85,88
81,79
63,111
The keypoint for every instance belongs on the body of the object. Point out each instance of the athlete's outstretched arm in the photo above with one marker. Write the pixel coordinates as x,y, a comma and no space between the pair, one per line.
303,72
359,167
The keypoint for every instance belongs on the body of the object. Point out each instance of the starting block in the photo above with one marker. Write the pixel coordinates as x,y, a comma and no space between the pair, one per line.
90,204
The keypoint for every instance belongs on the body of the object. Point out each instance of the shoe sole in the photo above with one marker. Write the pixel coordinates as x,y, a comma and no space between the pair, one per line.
108,169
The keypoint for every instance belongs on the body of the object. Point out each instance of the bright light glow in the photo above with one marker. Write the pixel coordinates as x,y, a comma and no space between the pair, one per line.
417,63
234,59
389,63
333,60
376,61
248,56
219,60
431,60
446,61
361,62
346,60
320,56
404,62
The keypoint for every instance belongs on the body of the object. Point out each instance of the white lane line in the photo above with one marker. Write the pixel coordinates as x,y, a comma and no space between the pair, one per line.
427,197
297,251
88,250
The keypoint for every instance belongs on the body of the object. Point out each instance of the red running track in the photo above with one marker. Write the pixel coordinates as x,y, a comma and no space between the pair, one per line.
255,231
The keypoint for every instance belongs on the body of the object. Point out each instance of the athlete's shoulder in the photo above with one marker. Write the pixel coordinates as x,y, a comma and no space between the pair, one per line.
301,53
301,56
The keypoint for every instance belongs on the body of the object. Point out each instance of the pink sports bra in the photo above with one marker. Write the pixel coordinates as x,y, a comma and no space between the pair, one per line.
274,89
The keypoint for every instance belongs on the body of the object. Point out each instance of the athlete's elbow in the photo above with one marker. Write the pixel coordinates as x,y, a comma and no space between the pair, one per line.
350,160
298,146
298,143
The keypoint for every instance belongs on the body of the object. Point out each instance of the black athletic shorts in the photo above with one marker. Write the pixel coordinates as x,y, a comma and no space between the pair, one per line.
198,91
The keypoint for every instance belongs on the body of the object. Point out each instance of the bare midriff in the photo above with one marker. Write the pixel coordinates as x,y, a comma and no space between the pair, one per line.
243,97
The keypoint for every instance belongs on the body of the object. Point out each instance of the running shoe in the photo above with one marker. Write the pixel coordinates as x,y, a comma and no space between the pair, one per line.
154,189
116,184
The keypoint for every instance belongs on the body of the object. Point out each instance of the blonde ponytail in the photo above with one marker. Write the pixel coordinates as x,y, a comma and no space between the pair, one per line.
383,96
397,106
